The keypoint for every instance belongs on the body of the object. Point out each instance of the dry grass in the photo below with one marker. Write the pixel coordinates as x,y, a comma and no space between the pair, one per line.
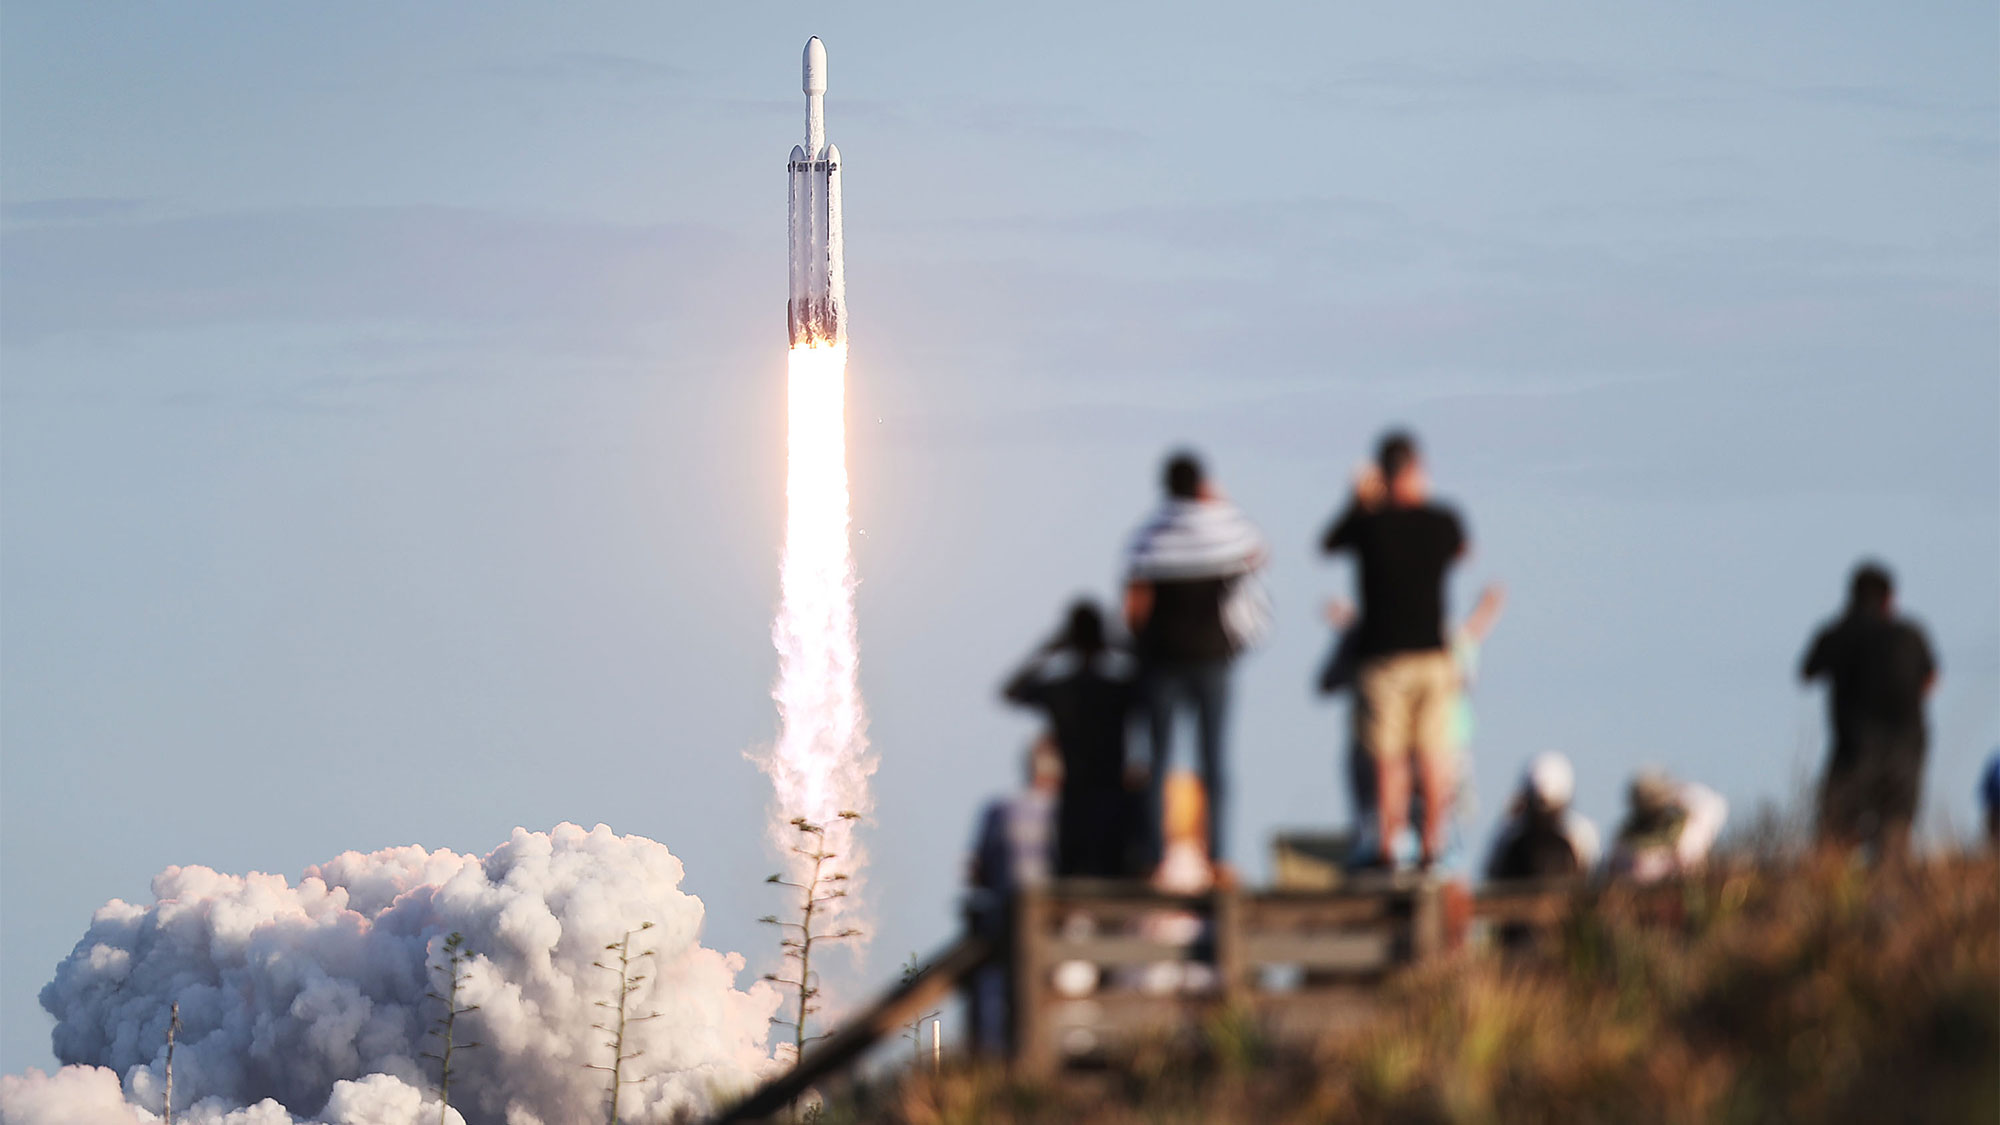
1819,992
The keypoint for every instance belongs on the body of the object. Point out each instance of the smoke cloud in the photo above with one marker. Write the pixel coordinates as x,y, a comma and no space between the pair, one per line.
308,1001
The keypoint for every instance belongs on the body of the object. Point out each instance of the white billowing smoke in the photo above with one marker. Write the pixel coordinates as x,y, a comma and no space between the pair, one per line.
309,1001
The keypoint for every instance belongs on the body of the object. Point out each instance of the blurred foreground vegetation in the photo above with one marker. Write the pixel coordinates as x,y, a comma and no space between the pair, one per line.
1818,991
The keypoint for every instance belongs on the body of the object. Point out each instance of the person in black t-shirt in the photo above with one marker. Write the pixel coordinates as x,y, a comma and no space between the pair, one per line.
1880,668
1087,689
1185,570
1406,685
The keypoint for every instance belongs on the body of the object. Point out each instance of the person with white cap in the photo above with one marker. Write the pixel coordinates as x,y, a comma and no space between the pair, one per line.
1543,837
1668,829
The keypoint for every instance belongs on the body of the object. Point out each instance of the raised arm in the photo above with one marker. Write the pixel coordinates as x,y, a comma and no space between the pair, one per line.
1369,492
1340,533
1486,613
1029,686
1706,812
1025,687
1818,658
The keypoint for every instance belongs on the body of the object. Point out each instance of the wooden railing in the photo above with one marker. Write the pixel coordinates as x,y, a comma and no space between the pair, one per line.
1094,967
886,1016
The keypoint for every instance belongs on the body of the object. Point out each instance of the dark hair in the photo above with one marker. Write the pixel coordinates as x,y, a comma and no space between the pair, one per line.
1870,587
1184,475
1396,451
1084,631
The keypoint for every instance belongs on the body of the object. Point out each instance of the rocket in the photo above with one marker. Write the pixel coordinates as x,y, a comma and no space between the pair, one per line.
816,314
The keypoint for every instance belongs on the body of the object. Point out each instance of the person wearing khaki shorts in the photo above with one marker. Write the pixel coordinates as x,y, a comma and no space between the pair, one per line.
1406,683
1403,706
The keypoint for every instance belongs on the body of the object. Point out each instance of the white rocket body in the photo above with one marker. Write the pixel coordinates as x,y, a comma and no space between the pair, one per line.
816,314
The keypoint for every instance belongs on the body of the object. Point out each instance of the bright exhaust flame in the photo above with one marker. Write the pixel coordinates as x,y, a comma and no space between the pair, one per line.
821,765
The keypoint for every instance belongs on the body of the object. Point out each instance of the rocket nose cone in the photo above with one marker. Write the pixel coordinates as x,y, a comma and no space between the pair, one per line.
815,66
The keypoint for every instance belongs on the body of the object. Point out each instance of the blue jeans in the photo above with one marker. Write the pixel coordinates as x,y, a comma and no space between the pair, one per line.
1205,687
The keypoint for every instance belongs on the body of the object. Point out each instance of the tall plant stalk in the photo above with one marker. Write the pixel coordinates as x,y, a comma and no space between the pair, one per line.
629,980
818,886
911,971
173,1032
457,962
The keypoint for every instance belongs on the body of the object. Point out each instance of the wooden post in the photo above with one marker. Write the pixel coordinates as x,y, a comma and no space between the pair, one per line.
1232,974
1027,981
886,1017
1426,922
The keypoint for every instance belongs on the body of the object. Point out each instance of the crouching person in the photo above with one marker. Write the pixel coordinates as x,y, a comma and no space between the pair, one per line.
1669,828
1543,837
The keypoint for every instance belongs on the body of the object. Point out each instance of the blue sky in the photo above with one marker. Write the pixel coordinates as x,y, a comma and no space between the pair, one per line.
393,398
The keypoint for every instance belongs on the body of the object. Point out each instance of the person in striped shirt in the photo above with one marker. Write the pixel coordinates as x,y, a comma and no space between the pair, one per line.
1193,603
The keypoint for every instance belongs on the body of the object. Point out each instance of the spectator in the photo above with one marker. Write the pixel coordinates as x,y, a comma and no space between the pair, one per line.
1087,689
1880,668
1543,836
1016,842
1405,685
1193,603
1669,828
1466,642
1012,850
1989,797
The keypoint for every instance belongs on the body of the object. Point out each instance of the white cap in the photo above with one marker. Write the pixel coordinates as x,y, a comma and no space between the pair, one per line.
815,67
1550,777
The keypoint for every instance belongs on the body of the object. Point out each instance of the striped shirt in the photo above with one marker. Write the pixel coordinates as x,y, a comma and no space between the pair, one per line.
1194,539
1189,551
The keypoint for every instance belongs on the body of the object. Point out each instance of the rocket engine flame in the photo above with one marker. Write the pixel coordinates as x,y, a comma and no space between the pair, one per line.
821,764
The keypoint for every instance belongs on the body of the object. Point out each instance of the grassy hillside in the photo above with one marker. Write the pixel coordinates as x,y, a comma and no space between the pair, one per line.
1813,992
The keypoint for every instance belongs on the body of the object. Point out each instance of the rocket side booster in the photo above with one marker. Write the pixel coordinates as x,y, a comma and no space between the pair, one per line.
816,314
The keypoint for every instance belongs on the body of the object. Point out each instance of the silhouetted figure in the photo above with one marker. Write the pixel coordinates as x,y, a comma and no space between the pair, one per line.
1088,690
1543,837
1880,668
1013,848
1669,828
1192,602
1016,841
1989,799
1405,682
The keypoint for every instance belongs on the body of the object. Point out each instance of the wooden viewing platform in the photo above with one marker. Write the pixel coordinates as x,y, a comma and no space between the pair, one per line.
1091,968
1095,968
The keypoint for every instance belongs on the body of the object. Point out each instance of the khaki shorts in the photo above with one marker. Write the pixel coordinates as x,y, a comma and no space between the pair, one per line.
1403,705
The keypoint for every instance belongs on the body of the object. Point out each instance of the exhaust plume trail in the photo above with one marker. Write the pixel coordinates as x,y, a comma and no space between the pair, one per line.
821,764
